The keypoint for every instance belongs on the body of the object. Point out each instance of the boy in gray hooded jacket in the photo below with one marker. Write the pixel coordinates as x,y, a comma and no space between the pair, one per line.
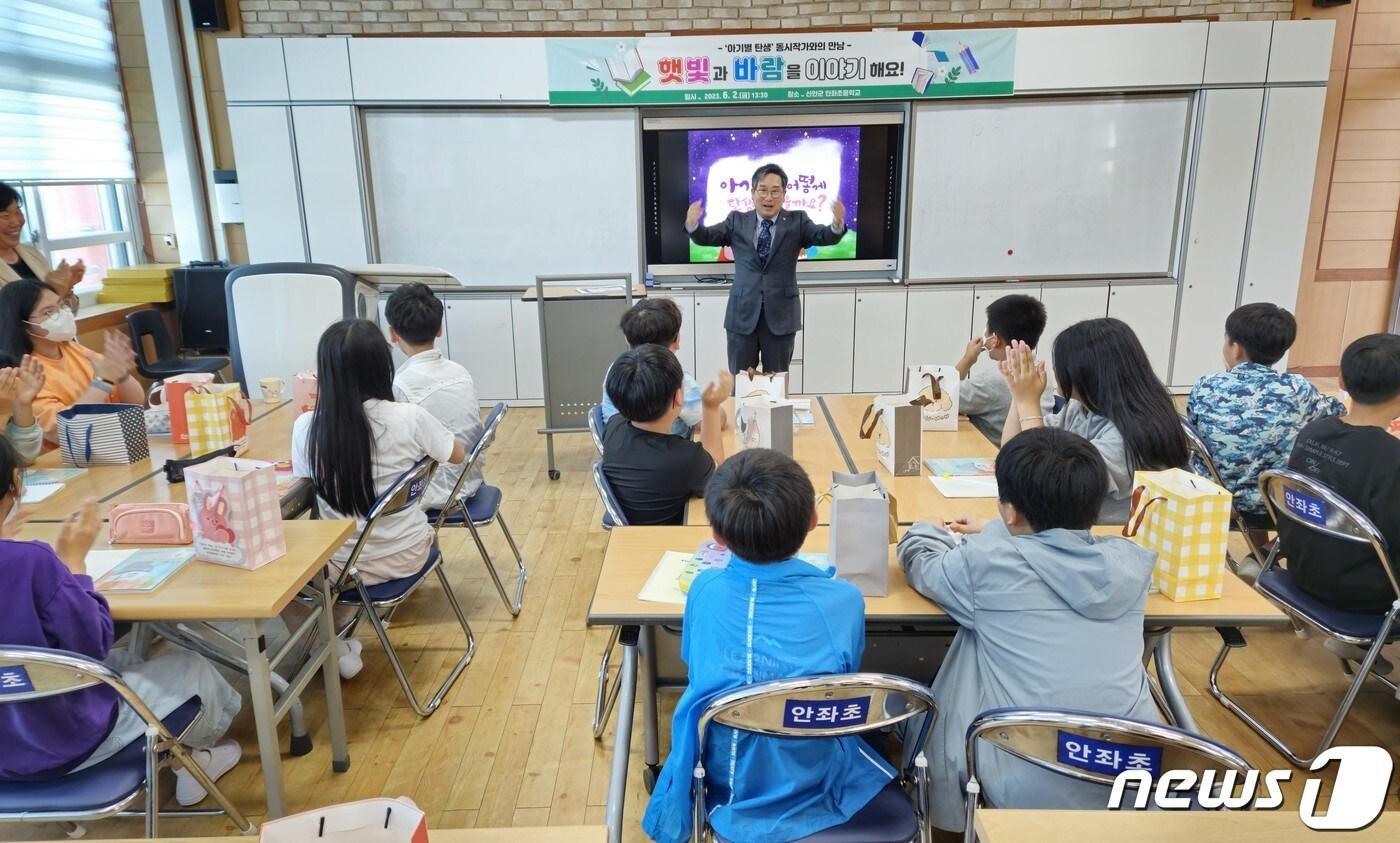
1050,615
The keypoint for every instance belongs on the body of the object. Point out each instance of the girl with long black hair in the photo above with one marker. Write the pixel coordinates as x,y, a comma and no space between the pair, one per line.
1113,399
356,443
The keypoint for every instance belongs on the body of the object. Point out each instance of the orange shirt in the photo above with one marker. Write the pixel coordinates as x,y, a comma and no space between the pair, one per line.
64,380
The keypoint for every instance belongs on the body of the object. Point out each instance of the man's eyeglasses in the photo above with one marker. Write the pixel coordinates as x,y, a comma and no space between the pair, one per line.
769,191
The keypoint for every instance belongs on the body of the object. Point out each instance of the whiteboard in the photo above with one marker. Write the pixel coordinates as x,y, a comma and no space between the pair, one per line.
1082,187
498,197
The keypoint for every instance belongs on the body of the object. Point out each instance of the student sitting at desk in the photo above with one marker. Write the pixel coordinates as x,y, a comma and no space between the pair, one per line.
50,601
1050,615
1115,401
652,471
442,387
356,443
34,321
658,322
764,616
984,396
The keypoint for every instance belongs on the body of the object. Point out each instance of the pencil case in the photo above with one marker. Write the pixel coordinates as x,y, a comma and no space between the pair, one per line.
150,523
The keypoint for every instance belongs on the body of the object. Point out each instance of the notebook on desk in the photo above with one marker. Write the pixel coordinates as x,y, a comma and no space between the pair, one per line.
135,571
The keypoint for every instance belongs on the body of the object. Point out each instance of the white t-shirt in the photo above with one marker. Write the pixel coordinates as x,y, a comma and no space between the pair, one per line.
403,435
445,389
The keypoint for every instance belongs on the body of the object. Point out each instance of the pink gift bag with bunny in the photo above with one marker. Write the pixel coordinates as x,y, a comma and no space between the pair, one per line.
237,512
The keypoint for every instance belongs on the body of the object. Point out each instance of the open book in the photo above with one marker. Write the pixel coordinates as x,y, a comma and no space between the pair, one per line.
627,71
127,571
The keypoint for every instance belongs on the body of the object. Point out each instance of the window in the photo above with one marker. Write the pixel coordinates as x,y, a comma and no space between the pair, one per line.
63,133
92,222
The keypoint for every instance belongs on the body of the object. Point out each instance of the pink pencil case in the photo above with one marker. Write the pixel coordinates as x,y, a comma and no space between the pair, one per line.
150,523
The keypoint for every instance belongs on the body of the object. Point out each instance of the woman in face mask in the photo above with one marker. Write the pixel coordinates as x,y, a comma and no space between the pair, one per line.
34,322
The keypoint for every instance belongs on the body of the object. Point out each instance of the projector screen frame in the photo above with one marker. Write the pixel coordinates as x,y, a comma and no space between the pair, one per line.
890,113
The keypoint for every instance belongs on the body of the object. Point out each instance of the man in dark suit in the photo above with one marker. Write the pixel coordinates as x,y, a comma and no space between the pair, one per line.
764,311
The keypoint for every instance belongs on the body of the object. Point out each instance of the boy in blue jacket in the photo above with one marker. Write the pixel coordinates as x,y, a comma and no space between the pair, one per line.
1050,615
766,615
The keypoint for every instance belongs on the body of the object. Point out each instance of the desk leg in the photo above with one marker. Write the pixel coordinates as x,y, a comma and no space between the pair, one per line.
260,689
650,726
1166,678
330,673
622,739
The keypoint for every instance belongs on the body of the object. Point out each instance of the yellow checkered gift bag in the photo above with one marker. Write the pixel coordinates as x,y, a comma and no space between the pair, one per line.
1186,520
218,415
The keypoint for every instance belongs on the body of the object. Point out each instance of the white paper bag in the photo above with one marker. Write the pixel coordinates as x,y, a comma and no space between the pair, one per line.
860,531
762,423
752,384
892,421
367,821
939,384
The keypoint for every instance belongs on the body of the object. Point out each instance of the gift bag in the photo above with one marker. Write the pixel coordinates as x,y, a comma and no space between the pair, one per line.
169,395
304,392
860,531
938,384
367,821
893,422
760,422
103,434
1186,520
237,512
218,415
752,384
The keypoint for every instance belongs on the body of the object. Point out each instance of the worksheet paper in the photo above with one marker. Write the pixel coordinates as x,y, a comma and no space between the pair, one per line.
965,487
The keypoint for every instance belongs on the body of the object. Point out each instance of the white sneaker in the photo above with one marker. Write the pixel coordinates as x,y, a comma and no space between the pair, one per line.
217,760
348,652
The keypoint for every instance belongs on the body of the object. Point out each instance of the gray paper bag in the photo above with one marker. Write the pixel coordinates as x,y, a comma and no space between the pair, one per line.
860,531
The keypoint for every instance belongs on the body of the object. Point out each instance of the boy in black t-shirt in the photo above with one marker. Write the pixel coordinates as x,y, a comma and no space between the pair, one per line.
1357,458
652,471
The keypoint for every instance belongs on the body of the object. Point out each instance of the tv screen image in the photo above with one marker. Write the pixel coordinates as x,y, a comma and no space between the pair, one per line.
822,164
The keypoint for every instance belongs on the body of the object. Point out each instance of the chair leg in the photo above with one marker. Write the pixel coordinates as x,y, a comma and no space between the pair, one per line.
423,709
152,784
1354,688
187,760
513,606
606,698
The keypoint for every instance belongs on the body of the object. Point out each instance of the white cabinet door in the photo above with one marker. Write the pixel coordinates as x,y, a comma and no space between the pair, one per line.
1151,311
686,302
479,330
330,192
711,341
938,324
529,371
1066,305
879,349
267,175
830,317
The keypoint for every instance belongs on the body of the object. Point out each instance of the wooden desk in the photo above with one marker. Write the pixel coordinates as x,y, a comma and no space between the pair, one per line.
814,446
634,551
916,497
202,592
144,481
552,834
1009,826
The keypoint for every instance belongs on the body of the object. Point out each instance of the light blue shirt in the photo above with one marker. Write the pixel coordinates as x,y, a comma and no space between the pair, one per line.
748,623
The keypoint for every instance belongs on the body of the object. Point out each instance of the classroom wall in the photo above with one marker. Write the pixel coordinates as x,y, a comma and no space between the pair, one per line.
154,191
1349,265
355,17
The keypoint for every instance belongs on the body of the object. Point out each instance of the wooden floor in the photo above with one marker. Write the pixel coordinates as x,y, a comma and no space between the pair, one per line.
512,744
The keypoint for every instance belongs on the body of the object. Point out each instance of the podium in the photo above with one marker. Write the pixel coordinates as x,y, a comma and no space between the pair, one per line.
278,311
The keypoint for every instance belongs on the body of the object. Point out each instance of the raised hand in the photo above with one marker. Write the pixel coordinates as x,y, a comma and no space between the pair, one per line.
77,535
9,388
838,213
30,379
1024,374
692,216
975,347
118,358
717,390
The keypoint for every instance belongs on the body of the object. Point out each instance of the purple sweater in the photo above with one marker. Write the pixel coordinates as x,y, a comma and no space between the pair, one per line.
48,606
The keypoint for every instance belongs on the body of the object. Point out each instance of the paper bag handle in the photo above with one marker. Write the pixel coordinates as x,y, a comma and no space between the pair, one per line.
868,431
1134,524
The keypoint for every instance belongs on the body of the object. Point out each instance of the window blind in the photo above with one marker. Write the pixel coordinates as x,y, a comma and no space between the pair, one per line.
61,110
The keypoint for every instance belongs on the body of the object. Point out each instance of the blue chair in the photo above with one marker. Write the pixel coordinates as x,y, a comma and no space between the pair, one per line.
606,698
109,788
483,507
595,426
1052,738
1340,520
891,817
1198,449
374,601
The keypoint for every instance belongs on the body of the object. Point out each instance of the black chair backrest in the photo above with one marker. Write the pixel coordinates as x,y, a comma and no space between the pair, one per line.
149,323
